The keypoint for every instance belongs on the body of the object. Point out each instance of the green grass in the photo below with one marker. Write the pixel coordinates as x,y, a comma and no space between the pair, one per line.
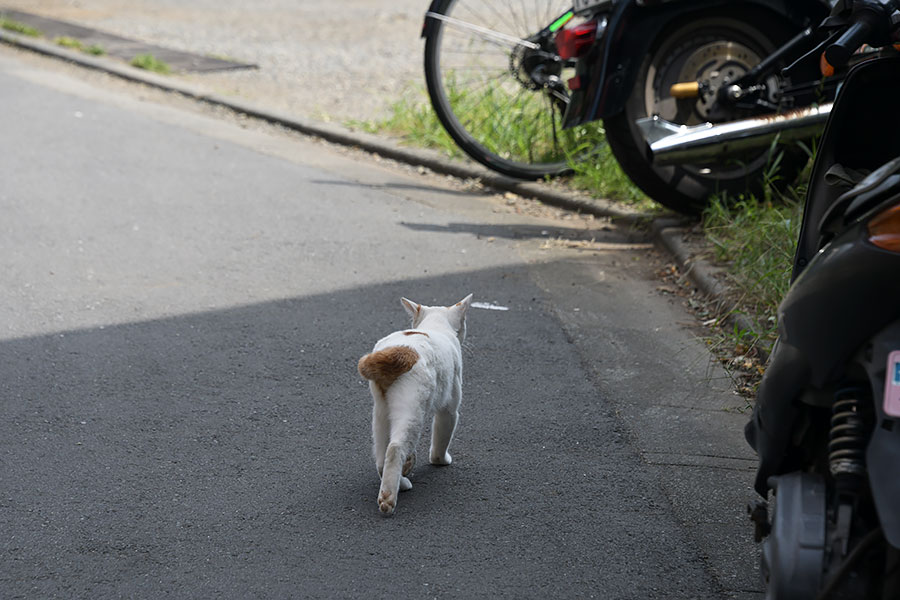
513,132
69,42
64,41
413,120
598,172
75,44
512,127
151,63
17,27
757,240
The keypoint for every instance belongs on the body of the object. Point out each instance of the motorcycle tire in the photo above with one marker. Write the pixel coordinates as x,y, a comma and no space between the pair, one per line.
482,89
715,46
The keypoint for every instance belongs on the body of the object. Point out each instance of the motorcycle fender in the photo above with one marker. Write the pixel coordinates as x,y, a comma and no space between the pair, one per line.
608,73
883,452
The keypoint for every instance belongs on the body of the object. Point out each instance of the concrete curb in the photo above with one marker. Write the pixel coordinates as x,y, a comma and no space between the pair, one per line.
667,234
666,231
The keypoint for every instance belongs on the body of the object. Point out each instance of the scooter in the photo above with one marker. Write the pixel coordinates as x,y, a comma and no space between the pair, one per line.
701,82
826,423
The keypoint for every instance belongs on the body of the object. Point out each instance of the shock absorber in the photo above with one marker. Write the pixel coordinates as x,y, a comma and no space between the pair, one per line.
847,438
847,462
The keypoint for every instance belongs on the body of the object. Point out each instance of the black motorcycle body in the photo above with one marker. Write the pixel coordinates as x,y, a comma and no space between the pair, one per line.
608,74
643,47
826,445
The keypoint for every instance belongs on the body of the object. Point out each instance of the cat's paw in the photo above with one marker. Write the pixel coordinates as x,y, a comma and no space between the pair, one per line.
387,502
441,461
409,464
405,484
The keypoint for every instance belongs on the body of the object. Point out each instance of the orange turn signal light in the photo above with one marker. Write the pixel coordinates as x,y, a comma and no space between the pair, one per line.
884,229
825,67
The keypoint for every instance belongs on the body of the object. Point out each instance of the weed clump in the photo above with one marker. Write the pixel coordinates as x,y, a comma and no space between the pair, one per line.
17,27
149,62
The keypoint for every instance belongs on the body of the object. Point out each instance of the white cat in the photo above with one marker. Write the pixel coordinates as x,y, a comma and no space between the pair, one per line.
413,374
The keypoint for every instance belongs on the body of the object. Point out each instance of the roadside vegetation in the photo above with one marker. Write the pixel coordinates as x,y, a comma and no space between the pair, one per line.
76,44
597,172
755,240
413,119
20,28
63,41
752,238
149,62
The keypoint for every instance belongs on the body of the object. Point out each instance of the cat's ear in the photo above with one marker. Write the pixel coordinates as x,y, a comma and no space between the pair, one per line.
412,309
458,316
463,305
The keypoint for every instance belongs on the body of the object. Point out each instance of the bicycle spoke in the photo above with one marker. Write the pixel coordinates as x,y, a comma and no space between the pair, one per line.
484,32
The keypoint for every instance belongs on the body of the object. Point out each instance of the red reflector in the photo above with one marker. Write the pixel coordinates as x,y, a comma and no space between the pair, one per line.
574,83
573,42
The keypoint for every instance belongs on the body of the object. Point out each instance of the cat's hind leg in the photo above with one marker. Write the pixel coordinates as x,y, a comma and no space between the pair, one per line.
408,465
442,427
406,418
392,479
381,427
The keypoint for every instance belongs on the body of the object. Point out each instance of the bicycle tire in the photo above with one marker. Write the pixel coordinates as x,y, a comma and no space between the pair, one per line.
481,92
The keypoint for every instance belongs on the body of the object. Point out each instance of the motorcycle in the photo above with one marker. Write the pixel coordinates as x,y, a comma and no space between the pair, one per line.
826,423
701,83
517,86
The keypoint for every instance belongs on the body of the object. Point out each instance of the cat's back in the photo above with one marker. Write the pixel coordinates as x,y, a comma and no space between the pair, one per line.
439,348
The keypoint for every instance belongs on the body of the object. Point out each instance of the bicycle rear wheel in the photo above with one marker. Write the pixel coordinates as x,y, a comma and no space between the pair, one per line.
498,86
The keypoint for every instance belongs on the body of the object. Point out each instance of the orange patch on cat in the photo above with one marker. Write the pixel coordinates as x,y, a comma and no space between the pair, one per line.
415,333
385,366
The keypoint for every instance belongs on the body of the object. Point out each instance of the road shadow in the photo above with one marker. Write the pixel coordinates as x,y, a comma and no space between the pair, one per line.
227,453
432,189
605,233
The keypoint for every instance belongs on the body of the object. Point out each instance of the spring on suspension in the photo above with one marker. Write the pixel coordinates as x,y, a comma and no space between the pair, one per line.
847,440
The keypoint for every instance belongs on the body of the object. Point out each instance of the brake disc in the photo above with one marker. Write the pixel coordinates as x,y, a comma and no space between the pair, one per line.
716,64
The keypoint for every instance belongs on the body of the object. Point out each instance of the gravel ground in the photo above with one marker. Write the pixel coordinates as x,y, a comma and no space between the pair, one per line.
314,61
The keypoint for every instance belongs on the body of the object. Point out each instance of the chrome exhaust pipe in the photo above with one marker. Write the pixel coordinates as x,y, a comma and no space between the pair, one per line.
682,144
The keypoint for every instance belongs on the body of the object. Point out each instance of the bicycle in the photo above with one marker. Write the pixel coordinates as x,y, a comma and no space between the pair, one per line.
498,85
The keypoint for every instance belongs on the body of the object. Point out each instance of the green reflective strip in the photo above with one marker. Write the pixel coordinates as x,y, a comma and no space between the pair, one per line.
561,21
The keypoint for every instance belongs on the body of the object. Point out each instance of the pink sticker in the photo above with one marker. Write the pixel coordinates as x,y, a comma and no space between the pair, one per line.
892,385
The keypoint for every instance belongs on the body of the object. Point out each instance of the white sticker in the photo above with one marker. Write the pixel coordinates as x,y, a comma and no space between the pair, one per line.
489,306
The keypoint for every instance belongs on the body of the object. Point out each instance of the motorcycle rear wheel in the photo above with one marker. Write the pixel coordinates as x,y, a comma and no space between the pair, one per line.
482,89
711,47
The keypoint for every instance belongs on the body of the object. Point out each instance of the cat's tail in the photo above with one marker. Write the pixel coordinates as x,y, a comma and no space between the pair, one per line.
385,366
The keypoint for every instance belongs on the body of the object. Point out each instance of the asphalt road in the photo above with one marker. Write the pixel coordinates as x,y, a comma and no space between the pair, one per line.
184,302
